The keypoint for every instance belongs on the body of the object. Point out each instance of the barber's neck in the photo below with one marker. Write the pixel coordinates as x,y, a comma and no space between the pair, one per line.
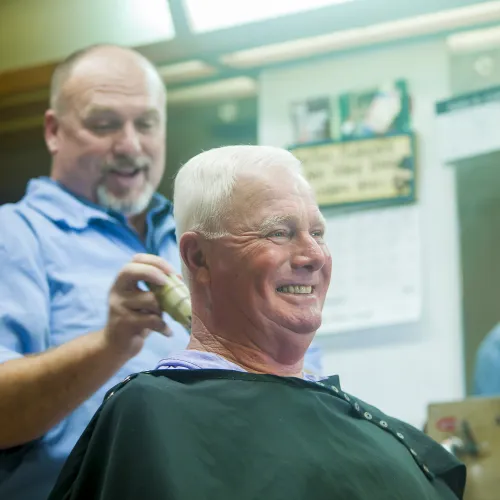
139,224
248,356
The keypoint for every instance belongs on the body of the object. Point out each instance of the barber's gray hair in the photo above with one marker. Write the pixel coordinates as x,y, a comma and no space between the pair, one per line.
204,185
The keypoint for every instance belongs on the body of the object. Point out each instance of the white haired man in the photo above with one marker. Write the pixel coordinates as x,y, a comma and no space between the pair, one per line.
234,415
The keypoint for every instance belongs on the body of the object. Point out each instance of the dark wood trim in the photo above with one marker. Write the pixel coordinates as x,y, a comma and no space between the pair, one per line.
26,80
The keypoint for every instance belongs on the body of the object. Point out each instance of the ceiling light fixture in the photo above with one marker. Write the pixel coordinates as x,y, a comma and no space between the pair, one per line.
228,88
360,37
187,70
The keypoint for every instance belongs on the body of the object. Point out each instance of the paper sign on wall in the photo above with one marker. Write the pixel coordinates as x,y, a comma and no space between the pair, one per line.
376,275
467,125
360,171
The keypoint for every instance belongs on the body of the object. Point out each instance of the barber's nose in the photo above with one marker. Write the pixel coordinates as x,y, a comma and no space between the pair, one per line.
127,141
309,254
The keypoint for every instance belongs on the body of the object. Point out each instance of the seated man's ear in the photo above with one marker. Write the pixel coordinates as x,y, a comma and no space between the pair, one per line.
192,247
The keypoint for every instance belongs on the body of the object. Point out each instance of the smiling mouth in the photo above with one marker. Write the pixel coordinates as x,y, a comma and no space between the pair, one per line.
296,289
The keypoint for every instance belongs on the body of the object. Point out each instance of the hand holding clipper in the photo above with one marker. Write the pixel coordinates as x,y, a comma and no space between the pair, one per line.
175,300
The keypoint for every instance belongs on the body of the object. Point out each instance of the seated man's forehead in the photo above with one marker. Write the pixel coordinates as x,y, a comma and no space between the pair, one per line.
315,218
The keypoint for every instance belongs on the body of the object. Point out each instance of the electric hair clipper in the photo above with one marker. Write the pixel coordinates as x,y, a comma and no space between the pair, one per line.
175,300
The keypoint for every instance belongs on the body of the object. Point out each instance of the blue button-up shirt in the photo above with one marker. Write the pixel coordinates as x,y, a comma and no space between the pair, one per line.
487,370
59,257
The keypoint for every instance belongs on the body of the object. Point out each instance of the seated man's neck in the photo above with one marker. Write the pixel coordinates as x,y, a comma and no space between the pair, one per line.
251,358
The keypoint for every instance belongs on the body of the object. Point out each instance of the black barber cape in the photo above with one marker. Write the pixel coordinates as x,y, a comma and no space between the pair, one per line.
224,435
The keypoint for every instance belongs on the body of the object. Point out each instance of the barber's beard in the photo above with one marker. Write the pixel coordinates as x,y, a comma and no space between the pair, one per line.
126,206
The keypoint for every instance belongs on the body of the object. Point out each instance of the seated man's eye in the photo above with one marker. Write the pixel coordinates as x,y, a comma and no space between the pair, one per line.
279,234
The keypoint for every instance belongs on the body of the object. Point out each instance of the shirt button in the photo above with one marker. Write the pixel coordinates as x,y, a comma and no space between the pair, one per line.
384,424
400,436
357,407
347,398
426,469
413,452
367,415
335,389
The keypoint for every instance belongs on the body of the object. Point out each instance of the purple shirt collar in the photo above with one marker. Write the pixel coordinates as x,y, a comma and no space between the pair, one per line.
198,360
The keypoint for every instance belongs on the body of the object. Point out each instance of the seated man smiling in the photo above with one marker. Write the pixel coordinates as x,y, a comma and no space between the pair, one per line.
234,416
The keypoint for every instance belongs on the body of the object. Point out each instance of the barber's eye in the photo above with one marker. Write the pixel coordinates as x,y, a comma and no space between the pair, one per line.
146,125
104,126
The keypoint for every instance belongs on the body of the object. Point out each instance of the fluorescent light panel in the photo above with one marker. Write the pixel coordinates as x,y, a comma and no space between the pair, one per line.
474,40
359,37
221,89
187,70
211,15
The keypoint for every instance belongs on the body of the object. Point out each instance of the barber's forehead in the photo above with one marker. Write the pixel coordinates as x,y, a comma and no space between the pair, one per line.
114,67
113,58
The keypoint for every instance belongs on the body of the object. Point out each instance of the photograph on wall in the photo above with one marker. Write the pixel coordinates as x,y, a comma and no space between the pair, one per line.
312,120
375,112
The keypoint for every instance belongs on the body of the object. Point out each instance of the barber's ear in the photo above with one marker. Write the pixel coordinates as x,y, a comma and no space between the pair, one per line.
51,128
192,248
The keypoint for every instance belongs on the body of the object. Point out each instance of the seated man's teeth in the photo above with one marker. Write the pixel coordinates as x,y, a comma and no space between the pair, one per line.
295,289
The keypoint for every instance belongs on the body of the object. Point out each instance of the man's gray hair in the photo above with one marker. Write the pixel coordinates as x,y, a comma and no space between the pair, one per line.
204,185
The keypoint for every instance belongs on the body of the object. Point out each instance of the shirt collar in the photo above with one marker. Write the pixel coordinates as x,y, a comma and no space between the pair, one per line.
193,359
63,207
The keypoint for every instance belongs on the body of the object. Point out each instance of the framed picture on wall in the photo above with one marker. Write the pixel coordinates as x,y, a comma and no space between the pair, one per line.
383,110
313,120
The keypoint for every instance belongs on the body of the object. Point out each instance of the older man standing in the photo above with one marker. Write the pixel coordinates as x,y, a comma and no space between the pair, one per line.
68,246
235,415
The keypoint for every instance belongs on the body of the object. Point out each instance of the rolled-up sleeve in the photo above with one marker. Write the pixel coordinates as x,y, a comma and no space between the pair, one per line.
24,290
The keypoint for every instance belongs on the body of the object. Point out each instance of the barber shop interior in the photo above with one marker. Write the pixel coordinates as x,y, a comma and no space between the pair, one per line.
271,225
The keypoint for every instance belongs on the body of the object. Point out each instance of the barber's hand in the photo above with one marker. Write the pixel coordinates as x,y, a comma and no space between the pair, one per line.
134,313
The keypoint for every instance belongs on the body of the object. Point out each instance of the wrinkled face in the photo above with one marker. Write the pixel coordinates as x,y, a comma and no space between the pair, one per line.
108,141
272,272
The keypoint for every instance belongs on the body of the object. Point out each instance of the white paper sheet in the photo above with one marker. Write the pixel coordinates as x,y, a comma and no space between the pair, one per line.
467,125
376,275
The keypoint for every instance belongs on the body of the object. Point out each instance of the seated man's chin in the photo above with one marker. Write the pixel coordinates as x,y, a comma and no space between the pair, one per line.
305,326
